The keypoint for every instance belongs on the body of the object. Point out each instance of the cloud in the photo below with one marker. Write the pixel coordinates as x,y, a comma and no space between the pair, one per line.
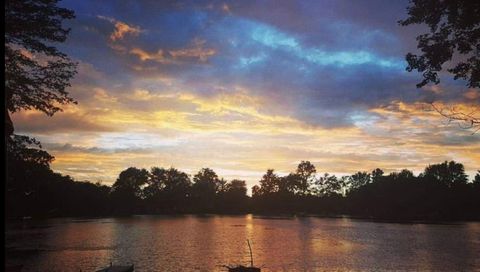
68,121
473,95
144,56
226,8
271,37
421,123
196,51
121,29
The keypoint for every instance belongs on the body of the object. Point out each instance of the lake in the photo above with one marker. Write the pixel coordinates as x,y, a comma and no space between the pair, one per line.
206,243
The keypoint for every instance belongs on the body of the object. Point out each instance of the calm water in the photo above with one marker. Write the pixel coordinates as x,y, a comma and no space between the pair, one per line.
205,243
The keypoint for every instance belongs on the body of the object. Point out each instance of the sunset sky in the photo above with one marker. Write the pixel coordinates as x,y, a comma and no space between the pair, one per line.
243,86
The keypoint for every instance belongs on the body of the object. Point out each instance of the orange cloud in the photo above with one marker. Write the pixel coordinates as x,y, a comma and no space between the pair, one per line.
121,29
197,51
144,55
226,8
472,94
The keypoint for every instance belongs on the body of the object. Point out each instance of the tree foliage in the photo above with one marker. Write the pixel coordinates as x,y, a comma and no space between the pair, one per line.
377,174
330,185
448,173
130,182
176,183
288,184
454,33
256,191
476,180
269,183
36,73
358,180
236,188
206,182
306,175
29,150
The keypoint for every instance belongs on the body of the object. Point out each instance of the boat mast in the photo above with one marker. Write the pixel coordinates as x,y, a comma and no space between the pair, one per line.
251,256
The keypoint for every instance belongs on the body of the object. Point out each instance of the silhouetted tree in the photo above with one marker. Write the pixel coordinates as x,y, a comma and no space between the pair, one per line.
447,173
25,149
476,184
177,184
204,189
25,186
377,174
330,185
155,183
33,189
36,73
288,184
167,190
127,189
358,180
235,196
269,183
306,176
404,174
207,181
32,174
256,191
222,185
131,181
237,187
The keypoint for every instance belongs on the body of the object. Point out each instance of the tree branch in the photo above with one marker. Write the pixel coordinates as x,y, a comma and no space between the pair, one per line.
469,120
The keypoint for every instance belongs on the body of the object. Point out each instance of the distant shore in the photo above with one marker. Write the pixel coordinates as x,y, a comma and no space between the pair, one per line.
279,216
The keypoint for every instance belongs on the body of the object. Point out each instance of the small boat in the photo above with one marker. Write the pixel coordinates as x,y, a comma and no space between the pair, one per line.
241,268
117,268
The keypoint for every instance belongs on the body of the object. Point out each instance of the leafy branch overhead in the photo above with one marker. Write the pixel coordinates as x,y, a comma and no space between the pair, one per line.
36,73
454,34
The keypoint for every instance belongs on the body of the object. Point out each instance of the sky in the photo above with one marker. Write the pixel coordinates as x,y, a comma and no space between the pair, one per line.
245,86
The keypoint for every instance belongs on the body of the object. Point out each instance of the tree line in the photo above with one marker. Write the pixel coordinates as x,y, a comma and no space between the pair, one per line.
441,192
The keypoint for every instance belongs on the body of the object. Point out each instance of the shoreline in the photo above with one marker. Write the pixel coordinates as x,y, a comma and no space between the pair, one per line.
272,216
